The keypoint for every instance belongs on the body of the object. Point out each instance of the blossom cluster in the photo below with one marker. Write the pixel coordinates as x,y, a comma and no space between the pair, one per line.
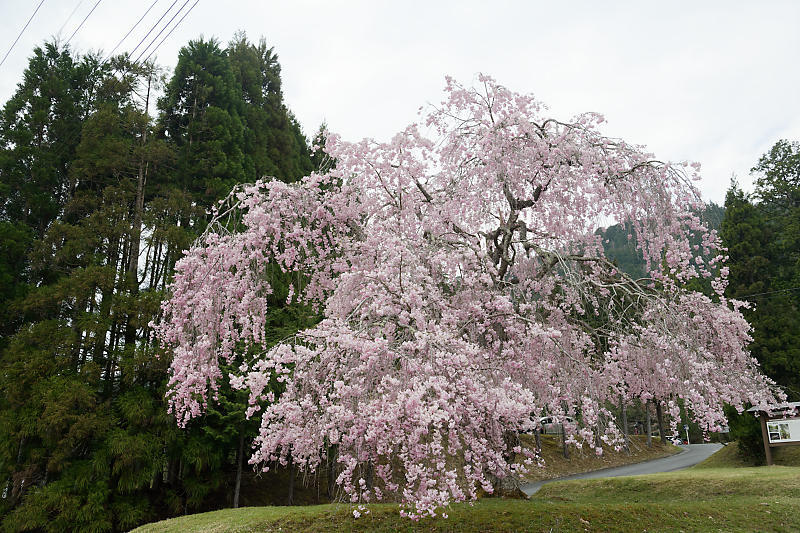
465,291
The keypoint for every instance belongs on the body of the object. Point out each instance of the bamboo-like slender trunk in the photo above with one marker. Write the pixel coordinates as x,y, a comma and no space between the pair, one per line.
623,413
239,460
660,420
332,456
290,499
132,268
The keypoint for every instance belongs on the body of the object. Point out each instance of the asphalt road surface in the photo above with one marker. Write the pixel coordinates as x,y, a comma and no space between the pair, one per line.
688,456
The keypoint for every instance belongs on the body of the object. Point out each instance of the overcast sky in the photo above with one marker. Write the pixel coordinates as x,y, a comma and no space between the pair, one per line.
714,82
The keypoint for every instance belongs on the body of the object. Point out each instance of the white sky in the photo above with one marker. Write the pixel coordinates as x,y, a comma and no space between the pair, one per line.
714,82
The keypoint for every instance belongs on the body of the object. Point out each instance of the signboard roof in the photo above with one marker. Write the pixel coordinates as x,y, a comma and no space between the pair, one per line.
781,407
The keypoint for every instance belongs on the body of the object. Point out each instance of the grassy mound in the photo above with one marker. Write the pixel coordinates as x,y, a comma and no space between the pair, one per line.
729,457
728,499
691,485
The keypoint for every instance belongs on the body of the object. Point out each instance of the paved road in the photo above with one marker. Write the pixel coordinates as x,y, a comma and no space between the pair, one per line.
689,456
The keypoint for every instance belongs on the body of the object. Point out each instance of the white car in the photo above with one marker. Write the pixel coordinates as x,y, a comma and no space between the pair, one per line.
552,426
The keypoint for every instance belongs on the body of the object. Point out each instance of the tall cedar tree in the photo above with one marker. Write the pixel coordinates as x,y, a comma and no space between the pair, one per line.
273,143
37,142
761,232
98,201
201,116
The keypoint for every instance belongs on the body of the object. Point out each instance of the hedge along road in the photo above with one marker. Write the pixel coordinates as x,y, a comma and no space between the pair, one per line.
689,456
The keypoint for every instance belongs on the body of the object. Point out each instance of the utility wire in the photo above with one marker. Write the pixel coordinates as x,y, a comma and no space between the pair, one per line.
111,53
170,31
161,31
21,32
153,27
84,20
77,133
765,293
69,18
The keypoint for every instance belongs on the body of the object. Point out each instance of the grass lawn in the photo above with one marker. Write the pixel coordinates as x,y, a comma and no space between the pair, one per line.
729,457
698,499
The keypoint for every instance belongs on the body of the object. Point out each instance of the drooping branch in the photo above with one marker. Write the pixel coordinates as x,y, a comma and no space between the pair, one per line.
462,288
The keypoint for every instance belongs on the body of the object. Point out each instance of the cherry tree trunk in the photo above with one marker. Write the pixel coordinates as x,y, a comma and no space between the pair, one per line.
660,419
623,413
508,486
332,455
239,459
370,475
648,423
291,468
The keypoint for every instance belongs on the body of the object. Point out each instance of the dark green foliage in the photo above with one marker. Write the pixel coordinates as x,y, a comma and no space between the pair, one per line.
201,117
762,234
746,430
747,236
619,243
38,137
778,171
274,144
16,240
98,201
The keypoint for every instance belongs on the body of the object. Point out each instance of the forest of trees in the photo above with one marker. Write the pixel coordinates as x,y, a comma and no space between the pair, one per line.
762,233
108,171
99,196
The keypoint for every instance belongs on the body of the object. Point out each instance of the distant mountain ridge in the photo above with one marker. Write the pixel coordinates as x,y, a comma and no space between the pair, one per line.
619,242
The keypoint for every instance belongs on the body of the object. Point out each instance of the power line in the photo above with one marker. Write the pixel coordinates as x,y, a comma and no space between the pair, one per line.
69,18
170,31
130,30
77,133
161,31
21,32
765,293
153,27
84,20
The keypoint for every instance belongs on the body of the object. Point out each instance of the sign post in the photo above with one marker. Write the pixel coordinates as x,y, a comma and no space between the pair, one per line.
767,448
780,426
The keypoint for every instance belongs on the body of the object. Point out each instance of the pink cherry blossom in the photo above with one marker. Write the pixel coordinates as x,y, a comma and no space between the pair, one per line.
463,288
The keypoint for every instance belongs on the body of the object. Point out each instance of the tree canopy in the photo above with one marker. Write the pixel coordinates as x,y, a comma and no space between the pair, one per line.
98,199
761,232
463,287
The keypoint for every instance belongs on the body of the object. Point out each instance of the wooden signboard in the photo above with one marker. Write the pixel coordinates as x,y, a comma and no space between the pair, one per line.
783,430
780,426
